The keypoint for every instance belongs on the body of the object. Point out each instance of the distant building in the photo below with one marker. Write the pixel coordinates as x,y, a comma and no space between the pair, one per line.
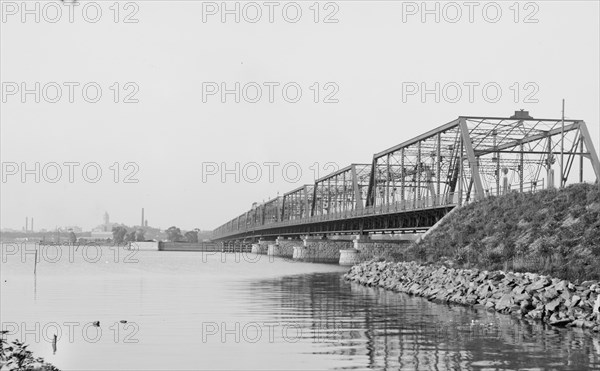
107,226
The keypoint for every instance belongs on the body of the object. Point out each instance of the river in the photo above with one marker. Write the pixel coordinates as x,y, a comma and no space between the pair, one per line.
189,311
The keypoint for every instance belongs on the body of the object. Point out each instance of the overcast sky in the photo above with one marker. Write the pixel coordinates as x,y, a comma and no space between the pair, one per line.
178,52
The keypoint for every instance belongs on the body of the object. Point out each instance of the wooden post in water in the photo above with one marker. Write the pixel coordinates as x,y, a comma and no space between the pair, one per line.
35,262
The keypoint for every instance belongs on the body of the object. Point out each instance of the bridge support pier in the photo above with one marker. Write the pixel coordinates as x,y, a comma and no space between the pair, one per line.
315,249
257,249
353,256
224,246
349,257
281,247
261,247
300,253
232,246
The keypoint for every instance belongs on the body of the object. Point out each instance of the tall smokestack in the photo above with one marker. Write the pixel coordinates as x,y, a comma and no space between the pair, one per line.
142,223
32,224
26,223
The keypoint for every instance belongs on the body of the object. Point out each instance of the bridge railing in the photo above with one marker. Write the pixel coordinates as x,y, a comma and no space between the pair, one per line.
528,187
450,199
389,208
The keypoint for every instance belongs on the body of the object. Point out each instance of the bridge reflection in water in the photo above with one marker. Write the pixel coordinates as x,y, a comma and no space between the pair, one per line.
372,328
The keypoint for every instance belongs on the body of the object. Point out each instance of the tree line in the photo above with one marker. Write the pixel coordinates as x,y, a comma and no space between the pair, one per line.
123,235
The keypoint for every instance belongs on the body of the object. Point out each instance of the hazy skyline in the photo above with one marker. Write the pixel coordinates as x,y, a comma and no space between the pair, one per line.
179,52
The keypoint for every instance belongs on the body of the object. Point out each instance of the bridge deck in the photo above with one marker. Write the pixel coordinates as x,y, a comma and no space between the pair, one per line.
356,221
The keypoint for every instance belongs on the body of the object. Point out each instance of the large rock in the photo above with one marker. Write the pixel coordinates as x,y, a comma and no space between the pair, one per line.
559,322
505,301
521,297
539,284
573,301
550,293
561,286
551,306
536,314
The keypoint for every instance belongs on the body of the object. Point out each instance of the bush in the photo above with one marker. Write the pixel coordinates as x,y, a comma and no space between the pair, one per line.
18,357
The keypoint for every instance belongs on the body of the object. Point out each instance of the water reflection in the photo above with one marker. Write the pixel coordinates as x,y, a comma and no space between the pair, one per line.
195,311
381,330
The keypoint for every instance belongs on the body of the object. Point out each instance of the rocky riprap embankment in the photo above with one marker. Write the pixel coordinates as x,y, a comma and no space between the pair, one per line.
555,301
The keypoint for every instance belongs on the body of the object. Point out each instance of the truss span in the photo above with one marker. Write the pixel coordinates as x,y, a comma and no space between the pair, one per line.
410,186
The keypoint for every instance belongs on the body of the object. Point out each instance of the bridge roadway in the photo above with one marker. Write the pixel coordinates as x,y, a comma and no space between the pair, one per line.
399,217
412,185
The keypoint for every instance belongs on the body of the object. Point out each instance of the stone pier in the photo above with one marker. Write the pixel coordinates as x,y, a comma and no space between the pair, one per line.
349,257
315,249
261,247
300,253
282,247
342,249
258,249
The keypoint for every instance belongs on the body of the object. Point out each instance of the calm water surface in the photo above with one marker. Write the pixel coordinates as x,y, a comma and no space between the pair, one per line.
230,311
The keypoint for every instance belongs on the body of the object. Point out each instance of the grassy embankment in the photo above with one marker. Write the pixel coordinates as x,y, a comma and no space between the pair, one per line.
552,232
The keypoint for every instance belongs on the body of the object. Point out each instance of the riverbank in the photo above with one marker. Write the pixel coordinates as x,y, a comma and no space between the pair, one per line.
532,296
554,232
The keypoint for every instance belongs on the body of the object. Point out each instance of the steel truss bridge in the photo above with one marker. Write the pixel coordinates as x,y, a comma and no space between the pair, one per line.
410,186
